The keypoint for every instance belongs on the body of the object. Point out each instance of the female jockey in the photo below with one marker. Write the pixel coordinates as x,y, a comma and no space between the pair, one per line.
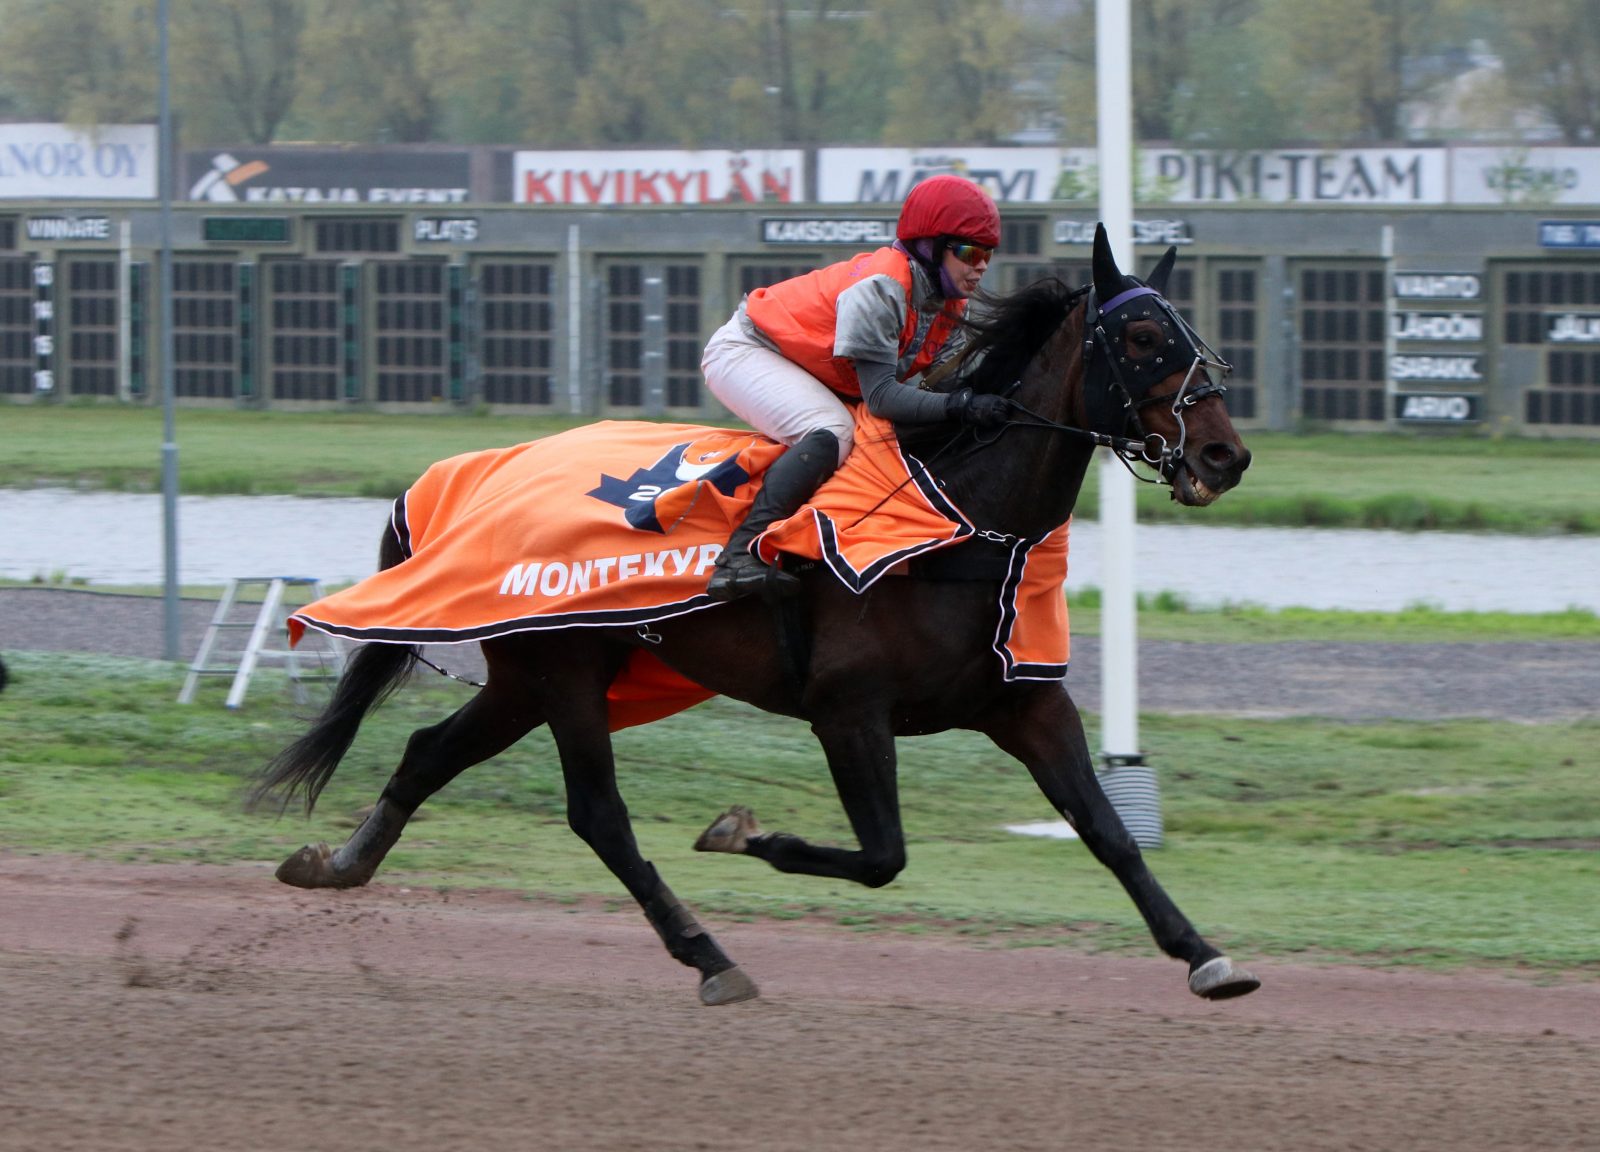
866,328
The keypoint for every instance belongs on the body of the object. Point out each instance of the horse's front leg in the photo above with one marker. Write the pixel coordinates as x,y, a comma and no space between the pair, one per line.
1041,727
861,757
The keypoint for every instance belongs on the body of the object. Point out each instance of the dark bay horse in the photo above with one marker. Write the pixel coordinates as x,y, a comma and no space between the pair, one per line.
1112,365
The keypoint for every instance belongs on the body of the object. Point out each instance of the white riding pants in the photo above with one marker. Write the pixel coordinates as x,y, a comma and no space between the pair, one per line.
770,393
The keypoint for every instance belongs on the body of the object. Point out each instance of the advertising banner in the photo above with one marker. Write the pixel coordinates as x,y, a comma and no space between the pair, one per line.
328,176
53,161
885,175
1339,176
1164,175
634,178
1533,176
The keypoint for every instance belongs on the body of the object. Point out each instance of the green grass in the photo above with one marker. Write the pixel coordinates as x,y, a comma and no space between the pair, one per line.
236,452
1441,844
1369,480
1378,480
1166,616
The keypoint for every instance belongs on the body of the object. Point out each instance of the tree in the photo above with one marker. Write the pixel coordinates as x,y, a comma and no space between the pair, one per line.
955,65
1345,71
236,67
366,74
57,71
1191,59
1551,55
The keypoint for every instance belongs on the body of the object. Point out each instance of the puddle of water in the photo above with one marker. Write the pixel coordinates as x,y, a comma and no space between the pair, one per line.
115,538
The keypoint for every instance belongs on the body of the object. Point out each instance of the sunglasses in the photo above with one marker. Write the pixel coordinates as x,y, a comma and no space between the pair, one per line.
971,254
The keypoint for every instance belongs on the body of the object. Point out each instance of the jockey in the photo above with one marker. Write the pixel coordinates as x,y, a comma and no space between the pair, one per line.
864,329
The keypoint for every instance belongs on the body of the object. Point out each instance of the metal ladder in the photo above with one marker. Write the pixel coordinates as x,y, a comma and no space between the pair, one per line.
269,620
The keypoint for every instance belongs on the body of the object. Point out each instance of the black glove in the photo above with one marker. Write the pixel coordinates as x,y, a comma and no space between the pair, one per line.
980,409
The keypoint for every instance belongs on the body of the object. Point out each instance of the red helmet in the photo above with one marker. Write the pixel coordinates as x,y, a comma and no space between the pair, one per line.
949,206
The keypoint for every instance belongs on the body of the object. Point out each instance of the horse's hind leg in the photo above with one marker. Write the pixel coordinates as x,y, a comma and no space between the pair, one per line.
493,720
576,706
861,758
1042,729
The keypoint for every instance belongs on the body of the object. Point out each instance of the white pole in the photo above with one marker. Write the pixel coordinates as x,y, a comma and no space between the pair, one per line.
1130,785
171,608
124,307
574,322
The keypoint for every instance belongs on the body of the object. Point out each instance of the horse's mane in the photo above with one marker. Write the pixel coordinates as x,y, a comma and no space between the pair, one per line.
1001,342
1009,333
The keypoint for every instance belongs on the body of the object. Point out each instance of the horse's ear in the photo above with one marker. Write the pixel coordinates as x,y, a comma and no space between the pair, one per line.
1107,276
1163,269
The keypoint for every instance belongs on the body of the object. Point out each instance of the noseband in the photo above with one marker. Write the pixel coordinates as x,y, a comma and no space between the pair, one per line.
1109,372
1111,375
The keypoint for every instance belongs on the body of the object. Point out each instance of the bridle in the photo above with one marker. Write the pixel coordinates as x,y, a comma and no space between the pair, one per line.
1110,375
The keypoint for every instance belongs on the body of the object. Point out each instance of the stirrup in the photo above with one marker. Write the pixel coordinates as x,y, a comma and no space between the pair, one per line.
735,580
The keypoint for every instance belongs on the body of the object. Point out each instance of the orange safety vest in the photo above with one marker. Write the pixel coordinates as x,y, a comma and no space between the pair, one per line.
801,316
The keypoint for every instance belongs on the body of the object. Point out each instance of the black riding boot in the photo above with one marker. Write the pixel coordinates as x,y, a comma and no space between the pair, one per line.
789,483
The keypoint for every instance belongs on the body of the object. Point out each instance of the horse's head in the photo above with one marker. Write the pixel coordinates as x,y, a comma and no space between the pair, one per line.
1149,375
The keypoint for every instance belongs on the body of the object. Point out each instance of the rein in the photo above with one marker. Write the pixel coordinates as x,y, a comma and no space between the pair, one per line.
1148,448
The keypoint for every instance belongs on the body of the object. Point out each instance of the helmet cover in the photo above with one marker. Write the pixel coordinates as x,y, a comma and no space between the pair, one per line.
949,206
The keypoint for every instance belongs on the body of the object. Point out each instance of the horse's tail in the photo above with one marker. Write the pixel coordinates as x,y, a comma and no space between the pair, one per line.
370,678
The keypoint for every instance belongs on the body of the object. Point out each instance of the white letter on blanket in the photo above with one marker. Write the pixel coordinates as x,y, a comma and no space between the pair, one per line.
580,578
655,563
628,566
708,557
519,582
681,558
603,565
548,587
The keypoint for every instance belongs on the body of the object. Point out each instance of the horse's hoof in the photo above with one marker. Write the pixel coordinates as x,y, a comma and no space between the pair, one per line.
312,867
728,987
729,832
1221,979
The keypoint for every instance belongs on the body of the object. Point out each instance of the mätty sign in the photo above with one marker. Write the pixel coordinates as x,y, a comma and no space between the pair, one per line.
53,161
644,177
886,175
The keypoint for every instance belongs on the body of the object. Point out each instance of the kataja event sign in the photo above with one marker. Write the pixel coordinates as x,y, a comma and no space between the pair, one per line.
328,176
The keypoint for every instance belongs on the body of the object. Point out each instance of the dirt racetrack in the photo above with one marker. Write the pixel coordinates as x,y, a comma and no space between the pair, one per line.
176,1007
179,1007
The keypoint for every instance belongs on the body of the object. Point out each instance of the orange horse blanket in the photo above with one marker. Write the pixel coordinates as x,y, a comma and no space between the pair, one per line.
619,523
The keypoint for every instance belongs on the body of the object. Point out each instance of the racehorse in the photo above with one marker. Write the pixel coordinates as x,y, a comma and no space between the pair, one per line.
1111,364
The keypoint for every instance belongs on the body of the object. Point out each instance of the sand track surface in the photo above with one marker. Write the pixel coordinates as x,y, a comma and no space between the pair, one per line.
161,1007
